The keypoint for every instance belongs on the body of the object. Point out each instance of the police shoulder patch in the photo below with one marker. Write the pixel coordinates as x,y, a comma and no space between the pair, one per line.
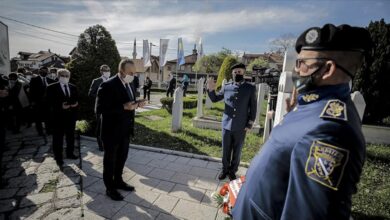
335,109
326,164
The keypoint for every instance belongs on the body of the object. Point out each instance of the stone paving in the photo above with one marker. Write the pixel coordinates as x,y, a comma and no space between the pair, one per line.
35,188
167,186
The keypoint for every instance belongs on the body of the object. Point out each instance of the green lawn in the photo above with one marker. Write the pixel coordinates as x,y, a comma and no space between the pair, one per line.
190,139
372,200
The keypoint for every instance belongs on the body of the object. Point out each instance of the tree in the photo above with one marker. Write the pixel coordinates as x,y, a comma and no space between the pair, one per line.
211,63
281,44
260,62
95,47
225,71
373,79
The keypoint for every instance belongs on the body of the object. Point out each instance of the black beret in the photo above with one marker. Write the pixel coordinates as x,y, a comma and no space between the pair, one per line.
238,65
330,37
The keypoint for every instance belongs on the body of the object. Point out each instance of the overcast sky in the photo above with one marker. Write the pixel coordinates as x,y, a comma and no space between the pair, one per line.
241,26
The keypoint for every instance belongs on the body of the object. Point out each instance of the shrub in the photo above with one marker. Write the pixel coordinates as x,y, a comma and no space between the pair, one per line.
188,103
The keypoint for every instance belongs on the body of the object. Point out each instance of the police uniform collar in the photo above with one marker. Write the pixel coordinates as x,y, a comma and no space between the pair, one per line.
239,83
341,91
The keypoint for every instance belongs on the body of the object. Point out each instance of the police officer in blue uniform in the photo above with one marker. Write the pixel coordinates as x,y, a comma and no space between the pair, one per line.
238,117
312,162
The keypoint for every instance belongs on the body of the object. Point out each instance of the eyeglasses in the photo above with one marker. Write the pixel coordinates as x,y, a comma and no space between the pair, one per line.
302,67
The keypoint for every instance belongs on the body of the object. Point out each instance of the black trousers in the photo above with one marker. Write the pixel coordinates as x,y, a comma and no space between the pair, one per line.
115,156
63,127
170,91
232,142
147,93
98,131
40,117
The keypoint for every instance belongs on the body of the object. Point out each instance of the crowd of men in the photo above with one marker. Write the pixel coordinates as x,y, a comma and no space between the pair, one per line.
309,167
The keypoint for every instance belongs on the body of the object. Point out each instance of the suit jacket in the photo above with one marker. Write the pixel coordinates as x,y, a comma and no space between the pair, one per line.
56,97
37,89
94,87
240,105
117,123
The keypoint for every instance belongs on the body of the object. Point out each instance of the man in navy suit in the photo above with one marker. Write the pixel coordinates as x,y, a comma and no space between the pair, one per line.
105,75
116,102
238,117
62,98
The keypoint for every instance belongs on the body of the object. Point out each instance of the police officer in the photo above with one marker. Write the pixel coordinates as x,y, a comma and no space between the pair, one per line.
309,167
238,117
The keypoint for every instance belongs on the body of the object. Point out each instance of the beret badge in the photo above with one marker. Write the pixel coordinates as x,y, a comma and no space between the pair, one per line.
311,36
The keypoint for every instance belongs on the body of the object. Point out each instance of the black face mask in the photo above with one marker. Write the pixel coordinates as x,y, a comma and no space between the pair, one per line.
43,73
238,77
305,83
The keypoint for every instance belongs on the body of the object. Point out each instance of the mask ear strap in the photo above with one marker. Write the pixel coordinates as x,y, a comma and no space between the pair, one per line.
345,71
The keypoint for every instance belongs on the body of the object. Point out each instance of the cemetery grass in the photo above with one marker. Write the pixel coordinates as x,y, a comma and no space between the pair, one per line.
157,133
372,201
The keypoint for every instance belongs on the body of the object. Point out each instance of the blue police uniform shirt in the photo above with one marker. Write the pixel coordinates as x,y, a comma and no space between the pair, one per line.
240,105
309,167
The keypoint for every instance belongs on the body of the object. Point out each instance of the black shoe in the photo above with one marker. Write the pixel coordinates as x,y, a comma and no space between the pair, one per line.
125,186
71,156
114,195
60,164
232,176
222,175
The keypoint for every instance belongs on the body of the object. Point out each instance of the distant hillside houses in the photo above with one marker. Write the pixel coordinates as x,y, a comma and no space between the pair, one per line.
33,61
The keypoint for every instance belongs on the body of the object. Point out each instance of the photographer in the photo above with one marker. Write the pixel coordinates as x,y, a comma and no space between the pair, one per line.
3,107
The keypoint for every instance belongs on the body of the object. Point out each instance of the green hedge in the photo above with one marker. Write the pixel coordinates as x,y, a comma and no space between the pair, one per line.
188,103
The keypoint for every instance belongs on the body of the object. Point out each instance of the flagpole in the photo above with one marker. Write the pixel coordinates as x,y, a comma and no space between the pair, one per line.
177,63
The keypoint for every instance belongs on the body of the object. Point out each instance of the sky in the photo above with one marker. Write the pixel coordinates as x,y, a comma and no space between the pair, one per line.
242,26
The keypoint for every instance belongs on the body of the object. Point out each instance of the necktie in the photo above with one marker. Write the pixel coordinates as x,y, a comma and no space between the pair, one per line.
66,91
44,81
128,91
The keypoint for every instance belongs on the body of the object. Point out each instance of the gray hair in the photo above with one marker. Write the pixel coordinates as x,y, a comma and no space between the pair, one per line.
104,67
59,71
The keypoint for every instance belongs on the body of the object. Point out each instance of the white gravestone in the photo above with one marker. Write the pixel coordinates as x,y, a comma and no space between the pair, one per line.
285,85
359,102
260,98
209,103
268,122
199,108
177,110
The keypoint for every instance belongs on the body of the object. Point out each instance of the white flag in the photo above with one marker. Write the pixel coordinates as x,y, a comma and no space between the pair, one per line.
200,51
163,51
146,54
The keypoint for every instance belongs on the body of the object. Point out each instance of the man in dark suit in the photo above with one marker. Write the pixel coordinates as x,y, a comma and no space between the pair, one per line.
238,117
38,86
62,98
116,102
171,85
105,75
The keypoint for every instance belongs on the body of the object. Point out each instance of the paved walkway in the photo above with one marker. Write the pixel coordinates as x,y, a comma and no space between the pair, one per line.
167,186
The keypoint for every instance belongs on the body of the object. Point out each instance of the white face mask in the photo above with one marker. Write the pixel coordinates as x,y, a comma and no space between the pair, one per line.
64,80
106,75
52,75
128,79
